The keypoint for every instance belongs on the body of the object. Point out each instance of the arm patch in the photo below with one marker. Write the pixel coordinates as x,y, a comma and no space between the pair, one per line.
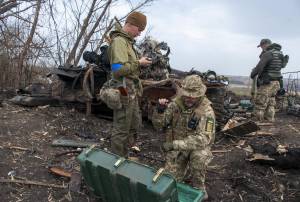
116,66
209,126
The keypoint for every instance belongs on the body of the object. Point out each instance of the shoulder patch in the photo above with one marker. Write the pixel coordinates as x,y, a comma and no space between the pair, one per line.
209,126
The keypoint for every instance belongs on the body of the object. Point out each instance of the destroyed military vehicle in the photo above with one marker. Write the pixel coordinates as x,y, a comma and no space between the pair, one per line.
79,85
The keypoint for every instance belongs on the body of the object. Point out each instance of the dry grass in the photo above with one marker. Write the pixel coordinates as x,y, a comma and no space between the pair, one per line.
240,90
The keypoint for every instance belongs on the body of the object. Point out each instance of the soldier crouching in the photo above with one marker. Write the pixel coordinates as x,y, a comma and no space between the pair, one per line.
189,123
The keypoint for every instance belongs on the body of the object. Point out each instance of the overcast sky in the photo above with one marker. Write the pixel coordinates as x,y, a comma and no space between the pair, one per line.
222,35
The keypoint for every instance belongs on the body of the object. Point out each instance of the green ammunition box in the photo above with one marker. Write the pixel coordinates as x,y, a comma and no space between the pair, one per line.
187,193
116,179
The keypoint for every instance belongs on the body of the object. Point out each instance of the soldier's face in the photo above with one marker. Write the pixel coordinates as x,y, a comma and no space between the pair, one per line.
190,101
264,46
135,31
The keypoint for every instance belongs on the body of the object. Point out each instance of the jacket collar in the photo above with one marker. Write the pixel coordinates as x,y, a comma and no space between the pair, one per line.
123,34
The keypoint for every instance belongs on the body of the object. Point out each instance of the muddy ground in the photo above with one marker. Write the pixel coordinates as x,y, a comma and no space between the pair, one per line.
26,135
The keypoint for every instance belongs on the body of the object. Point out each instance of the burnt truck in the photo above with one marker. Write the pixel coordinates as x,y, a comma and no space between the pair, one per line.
79,86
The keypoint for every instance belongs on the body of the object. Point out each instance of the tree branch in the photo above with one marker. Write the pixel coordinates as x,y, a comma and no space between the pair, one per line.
6,6
82,31
29,39
88,37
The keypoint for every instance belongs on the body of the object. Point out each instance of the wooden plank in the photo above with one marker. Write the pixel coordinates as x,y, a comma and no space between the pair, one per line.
29,182
71,143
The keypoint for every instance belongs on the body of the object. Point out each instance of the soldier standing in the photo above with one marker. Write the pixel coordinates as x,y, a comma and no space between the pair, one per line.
189,122
268,72
125,66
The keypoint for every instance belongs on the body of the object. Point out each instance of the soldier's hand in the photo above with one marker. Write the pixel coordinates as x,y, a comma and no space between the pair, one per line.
162,105
168,146
163,101
144,61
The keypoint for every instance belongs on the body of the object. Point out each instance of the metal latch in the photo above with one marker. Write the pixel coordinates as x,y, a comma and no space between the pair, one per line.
157,175
119,162
89,149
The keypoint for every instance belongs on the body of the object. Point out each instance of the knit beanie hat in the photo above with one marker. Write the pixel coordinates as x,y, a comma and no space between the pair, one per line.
137,19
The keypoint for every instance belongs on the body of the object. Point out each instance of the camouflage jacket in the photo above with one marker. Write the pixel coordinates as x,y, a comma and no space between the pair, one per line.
122,52
177,118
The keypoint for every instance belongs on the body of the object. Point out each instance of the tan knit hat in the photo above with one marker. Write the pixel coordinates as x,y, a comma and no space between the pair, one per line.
137,19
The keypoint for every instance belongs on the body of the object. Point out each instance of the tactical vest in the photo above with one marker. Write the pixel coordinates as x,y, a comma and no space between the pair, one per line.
180,130
179,125
273,68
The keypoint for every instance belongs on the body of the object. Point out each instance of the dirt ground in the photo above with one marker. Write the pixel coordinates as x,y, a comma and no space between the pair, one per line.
26,135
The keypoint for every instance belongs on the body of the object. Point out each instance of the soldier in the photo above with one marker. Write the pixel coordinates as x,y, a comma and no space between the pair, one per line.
189,122
125,66
268,72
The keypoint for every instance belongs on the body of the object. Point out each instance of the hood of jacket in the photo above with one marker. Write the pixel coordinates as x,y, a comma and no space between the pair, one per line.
121,33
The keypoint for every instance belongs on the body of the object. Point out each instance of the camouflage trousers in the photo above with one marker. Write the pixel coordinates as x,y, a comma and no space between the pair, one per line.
126,124
279,103
265,101
178,162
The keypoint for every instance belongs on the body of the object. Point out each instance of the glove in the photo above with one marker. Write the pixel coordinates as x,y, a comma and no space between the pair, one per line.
168,146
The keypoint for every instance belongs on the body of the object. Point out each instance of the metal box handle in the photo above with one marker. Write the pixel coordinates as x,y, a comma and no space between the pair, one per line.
157,175
119,162
86,153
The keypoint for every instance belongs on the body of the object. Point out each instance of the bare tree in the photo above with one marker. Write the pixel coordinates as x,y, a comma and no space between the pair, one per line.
7,5
29,40
89,35
36,33
83,29
108,28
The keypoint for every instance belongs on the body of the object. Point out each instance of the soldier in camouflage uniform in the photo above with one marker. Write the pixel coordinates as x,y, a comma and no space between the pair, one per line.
269,75
190,130
125,66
